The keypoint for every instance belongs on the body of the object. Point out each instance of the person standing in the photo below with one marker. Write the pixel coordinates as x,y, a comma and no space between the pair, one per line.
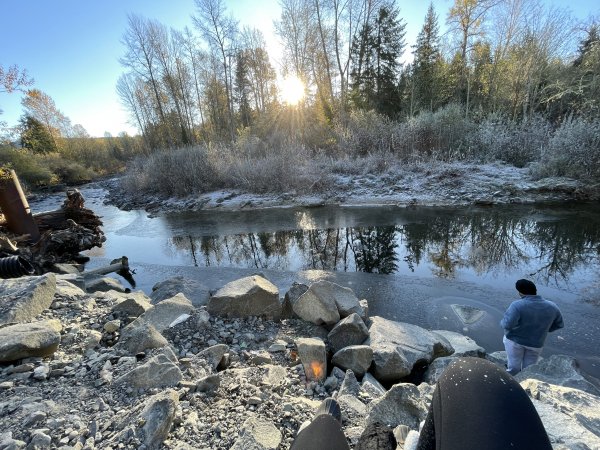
526,324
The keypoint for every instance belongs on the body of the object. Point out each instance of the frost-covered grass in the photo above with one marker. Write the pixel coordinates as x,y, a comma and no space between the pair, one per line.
369,144
204,168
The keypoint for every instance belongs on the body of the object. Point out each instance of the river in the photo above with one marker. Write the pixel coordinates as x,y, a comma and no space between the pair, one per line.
411,264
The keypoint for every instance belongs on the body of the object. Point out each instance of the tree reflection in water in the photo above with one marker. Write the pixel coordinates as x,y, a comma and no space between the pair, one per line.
548,246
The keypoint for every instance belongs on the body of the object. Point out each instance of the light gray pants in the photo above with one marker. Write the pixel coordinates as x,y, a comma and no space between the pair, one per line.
519,356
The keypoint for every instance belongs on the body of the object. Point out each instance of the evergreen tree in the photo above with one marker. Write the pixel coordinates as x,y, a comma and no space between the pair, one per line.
242,88
35,136
427,64
376,64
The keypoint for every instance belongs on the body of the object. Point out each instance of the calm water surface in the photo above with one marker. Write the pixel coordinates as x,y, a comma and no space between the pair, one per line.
423,259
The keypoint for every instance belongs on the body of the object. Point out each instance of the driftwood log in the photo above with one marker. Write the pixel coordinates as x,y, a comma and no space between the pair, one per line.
65,233
72,209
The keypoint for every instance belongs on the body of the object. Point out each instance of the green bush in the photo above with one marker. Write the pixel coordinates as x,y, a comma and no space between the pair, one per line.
29,167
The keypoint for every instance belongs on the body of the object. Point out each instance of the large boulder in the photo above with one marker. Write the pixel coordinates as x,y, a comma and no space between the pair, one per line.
103,284
193,290
357,358
258,434
290,298
132,304
560,370
22,299
349,331
249,296
398,347
315,308
324,292
29,339
313,354
158,371
463,345
570,416
402,404
150,423
161,315
138,337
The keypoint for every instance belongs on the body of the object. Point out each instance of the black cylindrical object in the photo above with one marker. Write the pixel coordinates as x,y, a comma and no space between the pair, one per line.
15,266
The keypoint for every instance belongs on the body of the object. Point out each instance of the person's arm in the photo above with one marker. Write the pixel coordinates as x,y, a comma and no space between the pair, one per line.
558,322
511,318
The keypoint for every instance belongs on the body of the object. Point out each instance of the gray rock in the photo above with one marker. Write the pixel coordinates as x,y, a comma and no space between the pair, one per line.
132,304
398,346
377,436
318,310
350,385
357,358
22,299
61,268
161,315
214,354
402,404
158,371
371,386
258,434
290,298
208,384
29,339
8,443
436,368
313,355
349,331
275,376
39,440
353,410
195,291
259,358
157,417
138,337
463,345
560,370
347,303
498,358
249,296
91,338
76,280
570,416
389,363
364,304
68,290
112,326
103,284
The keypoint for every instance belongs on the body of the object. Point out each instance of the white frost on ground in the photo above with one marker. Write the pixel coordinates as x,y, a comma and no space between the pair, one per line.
441,184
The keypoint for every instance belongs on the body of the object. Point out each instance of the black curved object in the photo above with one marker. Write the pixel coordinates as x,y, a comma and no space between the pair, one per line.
14,267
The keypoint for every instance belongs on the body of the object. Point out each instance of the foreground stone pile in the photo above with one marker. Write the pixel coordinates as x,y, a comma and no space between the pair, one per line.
241,368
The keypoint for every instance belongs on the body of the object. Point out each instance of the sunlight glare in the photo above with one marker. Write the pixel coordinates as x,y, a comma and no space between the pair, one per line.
292,90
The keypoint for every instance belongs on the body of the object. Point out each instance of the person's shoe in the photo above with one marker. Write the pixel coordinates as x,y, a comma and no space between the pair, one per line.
331,407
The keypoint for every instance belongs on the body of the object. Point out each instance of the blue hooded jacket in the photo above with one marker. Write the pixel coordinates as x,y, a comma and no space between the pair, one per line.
529,320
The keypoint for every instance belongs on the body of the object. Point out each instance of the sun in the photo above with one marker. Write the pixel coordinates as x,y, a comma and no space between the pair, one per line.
292,90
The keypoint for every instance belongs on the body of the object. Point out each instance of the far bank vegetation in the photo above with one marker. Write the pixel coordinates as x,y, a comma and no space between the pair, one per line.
514,81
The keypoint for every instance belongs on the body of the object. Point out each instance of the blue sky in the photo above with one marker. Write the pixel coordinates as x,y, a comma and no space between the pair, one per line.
72,47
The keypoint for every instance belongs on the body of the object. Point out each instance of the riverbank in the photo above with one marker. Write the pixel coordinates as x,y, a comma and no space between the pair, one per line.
442,184
113,369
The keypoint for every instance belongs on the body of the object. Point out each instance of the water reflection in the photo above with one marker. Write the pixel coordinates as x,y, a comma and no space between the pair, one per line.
545,244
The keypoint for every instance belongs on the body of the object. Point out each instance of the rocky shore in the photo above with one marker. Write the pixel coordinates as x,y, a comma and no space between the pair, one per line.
85,364
441,184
